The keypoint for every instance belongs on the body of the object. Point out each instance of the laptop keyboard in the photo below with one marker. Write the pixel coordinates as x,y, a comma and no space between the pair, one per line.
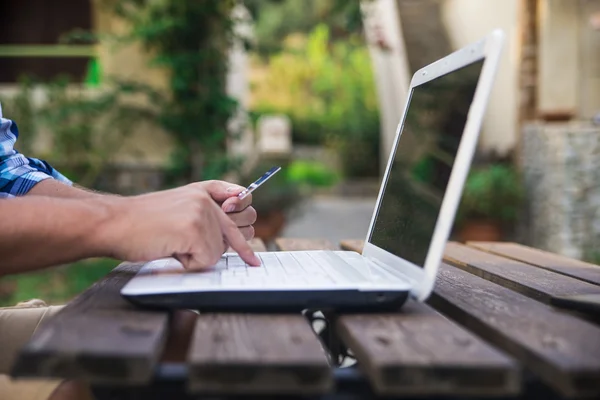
288,269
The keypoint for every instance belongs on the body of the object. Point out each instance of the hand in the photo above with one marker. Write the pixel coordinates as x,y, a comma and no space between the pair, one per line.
185,223
240,211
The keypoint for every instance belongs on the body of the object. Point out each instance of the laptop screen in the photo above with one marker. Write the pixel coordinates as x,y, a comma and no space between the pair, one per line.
422,163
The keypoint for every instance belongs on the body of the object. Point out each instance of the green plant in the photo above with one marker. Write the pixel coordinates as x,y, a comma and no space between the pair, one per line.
327,89
54,285
493,192
87,128
20,108
276,19
190,40
592,256
311,174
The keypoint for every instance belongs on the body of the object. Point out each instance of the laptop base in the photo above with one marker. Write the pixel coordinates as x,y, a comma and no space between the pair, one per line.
276,301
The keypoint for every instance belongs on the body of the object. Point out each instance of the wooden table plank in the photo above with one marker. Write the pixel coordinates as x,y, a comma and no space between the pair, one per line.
98,337
524,278
563,265
256,244
304,244
417,351
245,353
352,245
242,353
560,348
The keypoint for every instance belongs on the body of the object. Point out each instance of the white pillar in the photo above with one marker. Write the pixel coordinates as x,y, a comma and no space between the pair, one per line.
390,65
241,141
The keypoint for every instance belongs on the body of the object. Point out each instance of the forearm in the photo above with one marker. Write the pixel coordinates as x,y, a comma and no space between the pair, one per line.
38,231
54,188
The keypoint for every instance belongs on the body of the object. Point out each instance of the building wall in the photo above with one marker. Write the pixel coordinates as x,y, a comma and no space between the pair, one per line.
569,70
468,21
559,55
589,79
148,144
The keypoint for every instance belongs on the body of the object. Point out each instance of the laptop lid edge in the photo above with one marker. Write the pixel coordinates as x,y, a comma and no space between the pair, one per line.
489,50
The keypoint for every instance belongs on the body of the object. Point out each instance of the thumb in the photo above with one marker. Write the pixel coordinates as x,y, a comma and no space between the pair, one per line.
184,259
221,190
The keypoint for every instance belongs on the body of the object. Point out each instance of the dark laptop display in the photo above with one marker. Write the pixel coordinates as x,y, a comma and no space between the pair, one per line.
422,164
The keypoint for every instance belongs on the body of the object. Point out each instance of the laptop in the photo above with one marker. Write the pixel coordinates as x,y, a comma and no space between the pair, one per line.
413,216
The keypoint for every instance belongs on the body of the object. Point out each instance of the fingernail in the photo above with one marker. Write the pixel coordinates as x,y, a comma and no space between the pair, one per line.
256,261
230,208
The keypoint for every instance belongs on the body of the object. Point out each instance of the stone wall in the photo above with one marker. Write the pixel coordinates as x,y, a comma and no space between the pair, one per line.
561,167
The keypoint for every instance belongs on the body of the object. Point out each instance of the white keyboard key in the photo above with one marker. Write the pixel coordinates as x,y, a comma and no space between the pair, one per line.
235,261
339,267
232,281
294,262
221,265
200,279
256,271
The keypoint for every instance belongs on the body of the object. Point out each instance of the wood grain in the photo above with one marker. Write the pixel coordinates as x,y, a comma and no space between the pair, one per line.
290,244
540,284
419,352
98,337
256,244
560,348
553,262
352,245
242,353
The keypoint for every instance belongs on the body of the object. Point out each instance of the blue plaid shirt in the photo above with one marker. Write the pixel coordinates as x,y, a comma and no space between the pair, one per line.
18,174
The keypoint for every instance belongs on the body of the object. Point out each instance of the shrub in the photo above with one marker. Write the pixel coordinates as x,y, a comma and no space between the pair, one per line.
327,89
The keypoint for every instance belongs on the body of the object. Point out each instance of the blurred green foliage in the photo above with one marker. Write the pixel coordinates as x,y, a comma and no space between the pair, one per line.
86,126
20,108
327,89
56,285
592,256
277,19
311,174
493,192
191,41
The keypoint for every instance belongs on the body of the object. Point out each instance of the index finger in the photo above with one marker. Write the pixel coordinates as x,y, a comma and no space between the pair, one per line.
233,204
237,240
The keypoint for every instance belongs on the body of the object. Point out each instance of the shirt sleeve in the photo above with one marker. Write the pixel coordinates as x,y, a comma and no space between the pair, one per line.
18,174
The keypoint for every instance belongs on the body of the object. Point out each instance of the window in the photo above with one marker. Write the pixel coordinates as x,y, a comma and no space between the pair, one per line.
29,33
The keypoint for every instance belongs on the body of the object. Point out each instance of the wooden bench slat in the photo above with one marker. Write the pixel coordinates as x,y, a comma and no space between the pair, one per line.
98,337
256,244
242,353
563,265
304,244
524,278
418,351
245,353
562,349
352,245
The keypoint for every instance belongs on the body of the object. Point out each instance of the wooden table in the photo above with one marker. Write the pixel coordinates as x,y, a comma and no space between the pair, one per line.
487,330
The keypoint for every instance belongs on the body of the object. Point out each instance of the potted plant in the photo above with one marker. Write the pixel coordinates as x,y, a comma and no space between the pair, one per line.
490,203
